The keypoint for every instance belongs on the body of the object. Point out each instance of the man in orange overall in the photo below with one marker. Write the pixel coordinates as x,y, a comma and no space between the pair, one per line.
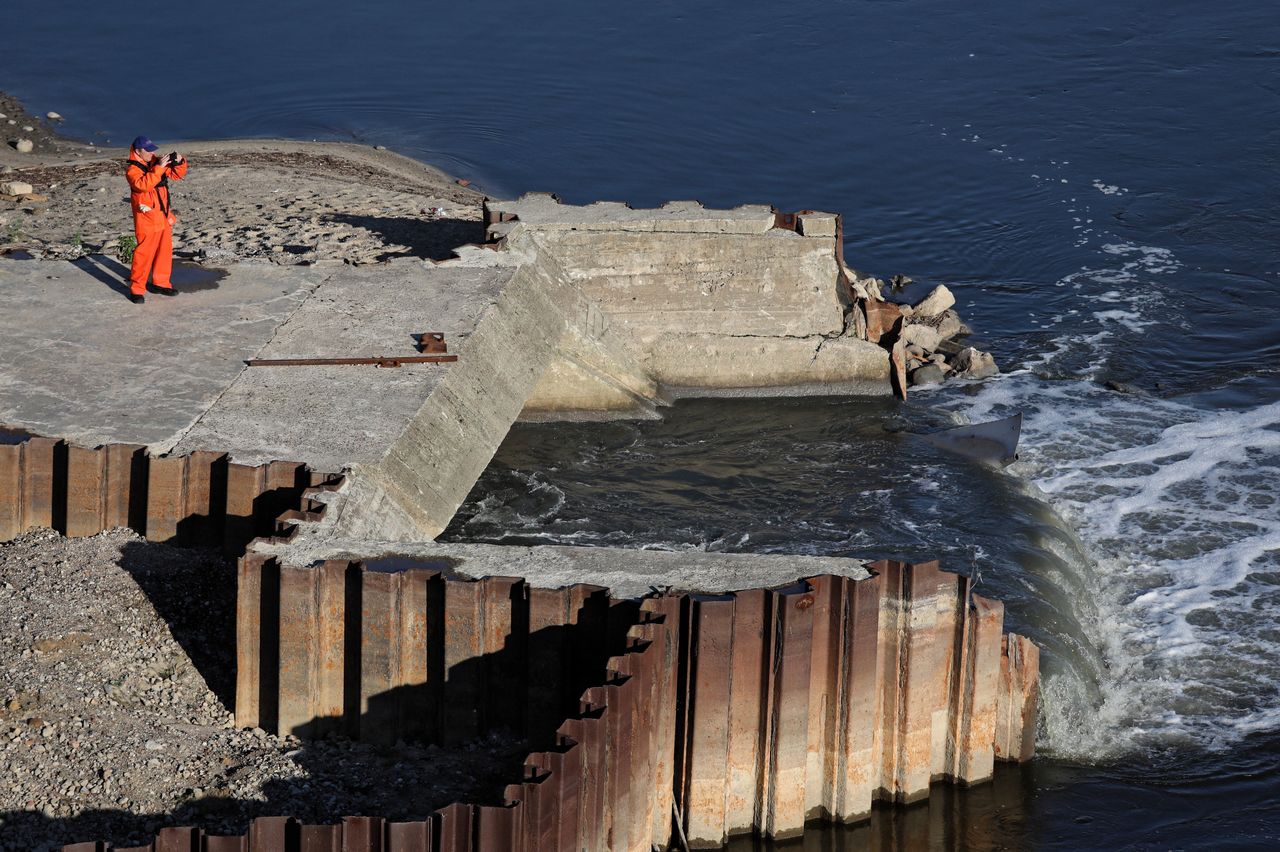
153,218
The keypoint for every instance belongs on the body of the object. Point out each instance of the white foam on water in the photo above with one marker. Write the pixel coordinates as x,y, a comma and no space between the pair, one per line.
1179,510
1107,188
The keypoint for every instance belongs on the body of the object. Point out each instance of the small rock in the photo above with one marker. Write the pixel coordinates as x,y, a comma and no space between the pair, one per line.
950,326
973,364
929,374
24,146
52,116
463,182
1119,387
936,302
379,147
924,336
27,128
153,745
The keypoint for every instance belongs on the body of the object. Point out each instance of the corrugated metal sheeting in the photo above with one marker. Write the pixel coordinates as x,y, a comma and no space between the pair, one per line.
777,706
198,499
753,711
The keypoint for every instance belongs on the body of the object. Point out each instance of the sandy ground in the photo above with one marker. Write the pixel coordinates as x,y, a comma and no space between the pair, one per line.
116,660
281,201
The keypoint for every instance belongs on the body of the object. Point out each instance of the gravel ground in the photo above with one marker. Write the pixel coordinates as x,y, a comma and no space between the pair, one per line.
281,201
115,667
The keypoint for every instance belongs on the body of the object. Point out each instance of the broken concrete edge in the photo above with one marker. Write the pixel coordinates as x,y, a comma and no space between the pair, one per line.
927,327
616,311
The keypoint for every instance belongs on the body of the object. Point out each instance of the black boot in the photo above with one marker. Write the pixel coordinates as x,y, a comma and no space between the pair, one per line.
163,291
137,298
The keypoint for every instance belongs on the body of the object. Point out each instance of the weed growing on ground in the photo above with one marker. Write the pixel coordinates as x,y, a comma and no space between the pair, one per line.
125,246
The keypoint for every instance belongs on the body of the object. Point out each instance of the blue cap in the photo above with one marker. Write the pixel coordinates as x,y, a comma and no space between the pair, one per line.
142,143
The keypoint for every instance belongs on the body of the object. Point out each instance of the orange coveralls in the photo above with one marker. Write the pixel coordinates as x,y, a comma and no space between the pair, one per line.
152,226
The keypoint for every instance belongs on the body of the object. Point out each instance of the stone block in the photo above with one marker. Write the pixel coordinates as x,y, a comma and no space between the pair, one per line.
816,224
938,300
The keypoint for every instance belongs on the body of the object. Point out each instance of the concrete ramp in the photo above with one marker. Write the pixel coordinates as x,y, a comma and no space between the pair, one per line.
426,474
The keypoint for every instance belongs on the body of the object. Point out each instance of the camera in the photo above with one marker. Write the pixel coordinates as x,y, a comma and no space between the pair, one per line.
173,158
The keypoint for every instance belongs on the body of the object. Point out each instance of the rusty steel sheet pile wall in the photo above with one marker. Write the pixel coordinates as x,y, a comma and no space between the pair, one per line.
774,707
811,702
414,654
200,499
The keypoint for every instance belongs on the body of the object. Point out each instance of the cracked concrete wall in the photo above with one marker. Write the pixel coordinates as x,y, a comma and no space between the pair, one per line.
706,302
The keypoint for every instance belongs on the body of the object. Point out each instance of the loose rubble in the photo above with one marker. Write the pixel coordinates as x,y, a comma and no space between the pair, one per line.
115,671
927,330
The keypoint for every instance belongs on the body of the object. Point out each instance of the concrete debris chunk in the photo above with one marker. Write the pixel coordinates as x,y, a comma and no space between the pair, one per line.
24,146
816,224
936,302
974,364
929,374
924,336
950,326
16,187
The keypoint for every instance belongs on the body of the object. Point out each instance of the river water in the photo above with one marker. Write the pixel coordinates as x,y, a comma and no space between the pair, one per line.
1096,181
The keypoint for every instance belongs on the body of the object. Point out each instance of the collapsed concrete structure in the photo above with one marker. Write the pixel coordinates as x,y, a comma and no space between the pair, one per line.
817,686
611,311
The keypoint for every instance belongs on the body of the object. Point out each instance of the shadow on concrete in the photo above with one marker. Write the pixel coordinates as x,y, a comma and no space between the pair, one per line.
431,239
110,272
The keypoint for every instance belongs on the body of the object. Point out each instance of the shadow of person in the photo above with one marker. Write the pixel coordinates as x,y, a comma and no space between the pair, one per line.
431,239
110,272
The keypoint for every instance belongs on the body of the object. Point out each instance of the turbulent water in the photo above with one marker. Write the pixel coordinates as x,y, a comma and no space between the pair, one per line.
1096,181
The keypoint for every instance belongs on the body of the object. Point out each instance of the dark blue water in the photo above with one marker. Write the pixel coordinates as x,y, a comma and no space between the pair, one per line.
1096,181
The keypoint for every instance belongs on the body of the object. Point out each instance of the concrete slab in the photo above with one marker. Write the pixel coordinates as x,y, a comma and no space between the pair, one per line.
79,360
626,573
334,416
